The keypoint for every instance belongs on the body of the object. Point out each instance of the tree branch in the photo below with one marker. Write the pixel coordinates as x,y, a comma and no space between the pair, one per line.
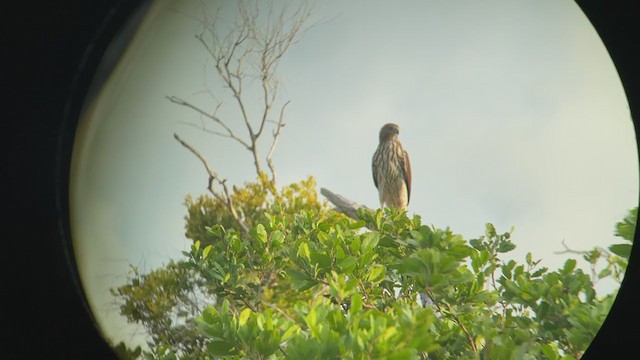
230,133
455,318
203,128
213,176
343,205
276,136
592,265
257,45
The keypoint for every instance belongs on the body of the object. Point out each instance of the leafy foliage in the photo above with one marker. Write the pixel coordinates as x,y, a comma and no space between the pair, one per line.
123,352
625,229
309,283
165,301
252,201
616,257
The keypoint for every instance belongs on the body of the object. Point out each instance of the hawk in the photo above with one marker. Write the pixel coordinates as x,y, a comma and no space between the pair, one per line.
391,169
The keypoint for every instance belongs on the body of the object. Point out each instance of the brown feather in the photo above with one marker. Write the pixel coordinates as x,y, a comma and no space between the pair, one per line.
406,166
391,169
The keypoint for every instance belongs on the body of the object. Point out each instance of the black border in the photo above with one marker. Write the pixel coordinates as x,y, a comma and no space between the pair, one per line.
55,48
53,51
618,24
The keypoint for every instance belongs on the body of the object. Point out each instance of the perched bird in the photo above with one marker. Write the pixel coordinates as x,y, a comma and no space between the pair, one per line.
391,169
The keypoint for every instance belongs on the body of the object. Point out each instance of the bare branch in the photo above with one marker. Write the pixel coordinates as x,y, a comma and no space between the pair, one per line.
259,43
203,128
231,134
343,205
222,58
232,79
250,50
568,250
213,176
273,45
592,265
276,136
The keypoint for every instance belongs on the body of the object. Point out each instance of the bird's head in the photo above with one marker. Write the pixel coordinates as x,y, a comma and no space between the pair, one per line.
388,131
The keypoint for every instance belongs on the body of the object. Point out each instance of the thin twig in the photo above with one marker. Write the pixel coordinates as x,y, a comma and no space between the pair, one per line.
455,318
276,136
594,273
231,134
203,128
261,46
213,176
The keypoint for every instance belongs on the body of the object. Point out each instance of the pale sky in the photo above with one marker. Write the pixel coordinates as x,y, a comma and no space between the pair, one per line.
511,111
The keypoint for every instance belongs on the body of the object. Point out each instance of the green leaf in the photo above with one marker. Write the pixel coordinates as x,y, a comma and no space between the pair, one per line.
323,260
355,245
216,230
244,316
261,233
356,303
376,274
592,256
303,250
348,264
622,250
292,330
507,269
410,265
378,218
604,273
277,237
389,242
357,225
206,251
460,251
300,281
477,244
405,354
225,307
505,246
569,265
221,348
539,272
512,286
627,227
370,240
210,315
490,230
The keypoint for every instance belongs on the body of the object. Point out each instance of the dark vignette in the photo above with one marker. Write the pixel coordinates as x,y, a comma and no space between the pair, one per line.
53,49
617,24
50,53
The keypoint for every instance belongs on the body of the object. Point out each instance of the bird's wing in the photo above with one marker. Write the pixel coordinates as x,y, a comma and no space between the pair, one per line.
373,170
406,172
